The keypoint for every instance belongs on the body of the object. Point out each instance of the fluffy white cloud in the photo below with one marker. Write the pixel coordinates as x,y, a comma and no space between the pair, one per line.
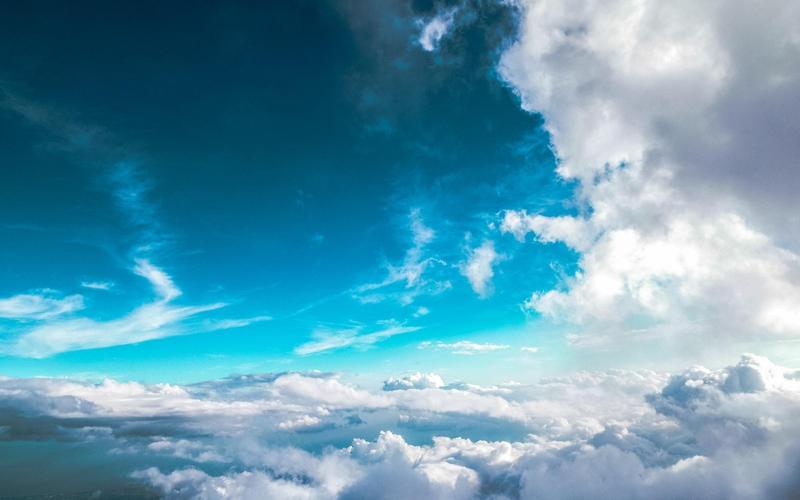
728,433
677,122
415,380
479,268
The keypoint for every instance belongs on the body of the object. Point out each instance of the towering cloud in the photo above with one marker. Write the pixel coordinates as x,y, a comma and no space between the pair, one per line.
677,120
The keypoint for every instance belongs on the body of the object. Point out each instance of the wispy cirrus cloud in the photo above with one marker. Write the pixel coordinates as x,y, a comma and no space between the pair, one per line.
126,181
464,347
112,164
326,339
39,306
156,319
406,280
98,285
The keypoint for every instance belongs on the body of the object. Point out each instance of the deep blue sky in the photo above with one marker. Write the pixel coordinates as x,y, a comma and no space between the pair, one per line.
273,171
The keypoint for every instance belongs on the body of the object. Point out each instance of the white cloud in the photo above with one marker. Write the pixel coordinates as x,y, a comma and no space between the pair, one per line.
301,422
465,347
97,285
421,311
415,380
727,433
161,281
150,321
435,29
573,231
479,268
326,340
529,349
410,273
226,324
39,306
674,119
187,449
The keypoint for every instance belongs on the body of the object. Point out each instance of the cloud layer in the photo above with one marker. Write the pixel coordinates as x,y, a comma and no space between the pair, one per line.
728,433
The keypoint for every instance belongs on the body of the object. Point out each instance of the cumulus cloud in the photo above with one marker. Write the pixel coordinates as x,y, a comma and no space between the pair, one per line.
435,29
572,231
465,347
727,433
479,268
676,122
415,380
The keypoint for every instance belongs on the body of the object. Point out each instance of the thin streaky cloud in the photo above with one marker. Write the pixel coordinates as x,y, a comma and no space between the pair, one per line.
98,285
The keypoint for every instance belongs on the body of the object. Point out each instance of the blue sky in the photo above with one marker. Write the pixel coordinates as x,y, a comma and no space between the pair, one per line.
445,249
285,177
360,200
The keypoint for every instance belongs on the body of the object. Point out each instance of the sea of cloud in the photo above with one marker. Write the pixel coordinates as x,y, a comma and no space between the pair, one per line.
727,433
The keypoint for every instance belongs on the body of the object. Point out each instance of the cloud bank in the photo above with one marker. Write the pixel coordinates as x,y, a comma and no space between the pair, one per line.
728,433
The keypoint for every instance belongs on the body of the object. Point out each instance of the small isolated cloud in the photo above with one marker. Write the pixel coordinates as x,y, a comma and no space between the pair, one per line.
326,340
97,285
435,29
41,306
479,268
529,349
464,347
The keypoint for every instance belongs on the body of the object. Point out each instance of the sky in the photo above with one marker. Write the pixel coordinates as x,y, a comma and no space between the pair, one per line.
296,188
429,249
